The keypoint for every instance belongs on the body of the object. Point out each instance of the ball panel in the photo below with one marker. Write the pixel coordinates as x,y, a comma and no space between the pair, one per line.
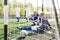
23,33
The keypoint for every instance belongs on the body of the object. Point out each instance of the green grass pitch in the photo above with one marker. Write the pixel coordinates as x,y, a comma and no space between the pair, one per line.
12,30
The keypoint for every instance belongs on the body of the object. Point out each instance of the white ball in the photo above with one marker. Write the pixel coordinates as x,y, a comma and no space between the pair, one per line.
23,33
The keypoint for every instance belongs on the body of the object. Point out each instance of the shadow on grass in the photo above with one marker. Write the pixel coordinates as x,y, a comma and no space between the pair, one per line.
35,33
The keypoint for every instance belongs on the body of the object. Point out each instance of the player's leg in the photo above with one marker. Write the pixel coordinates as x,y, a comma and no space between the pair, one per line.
49,25
40,29
25,28
27,18
18,19
47,28
23,16
35,21
30,19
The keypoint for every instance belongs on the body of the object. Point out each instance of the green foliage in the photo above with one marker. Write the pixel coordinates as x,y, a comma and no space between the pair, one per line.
11,6
1,6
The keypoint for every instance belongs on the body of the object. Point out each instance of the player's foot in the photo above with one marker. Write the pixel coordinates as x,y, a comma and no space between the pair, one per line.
33,24
49,32
50,28
26,21
37,23
19,28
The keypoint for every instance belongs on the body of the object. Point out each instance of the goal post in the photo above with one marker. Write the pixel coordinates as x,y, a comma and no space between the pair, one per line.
5,19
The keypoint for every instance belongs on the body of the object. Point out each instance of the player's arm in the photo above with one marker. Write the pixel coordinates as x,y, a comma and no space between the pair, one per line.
47,22
38,16
32,17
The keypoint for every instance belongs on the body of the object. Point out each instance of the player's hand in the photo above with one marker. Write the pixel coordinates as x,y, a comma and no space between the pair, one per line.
32,17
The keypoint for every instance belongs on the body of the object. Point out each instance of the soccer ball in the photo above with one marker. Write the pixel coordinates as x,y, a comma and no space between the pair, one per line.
23,33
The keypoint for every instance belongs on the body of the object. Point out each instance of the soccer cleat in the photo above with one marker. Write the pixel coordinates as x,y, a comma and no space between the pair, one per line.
33,24
50,27
26,21
19,28
49,32
37,23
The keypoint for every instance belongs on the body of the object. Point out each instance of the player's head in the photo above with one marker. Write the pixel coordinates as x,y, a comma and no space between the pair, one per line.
35,12
42,15
16,5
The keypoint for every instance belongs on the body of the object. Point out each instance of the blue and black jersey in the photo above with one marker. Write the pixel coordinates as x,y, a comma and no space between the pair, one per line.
36,16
